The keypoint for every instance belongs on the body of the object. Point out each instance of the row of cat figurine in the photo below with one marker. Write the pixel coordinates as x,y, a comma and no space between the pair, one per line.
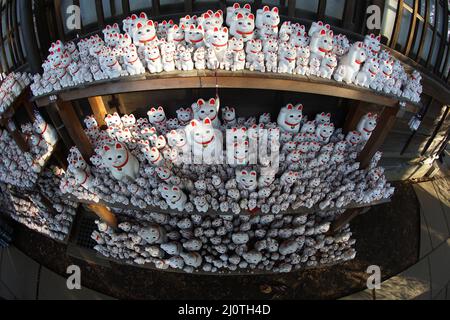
21,168
247,43
246,244
32,211
201,137
124,151
11,87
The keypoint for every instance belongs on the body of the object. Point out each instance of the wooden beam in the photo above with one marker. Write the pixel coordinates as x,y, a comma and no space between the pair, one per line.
291,8
98,109
59,125
385,123
74,128
105,214
345,219
356,111
412,32
100,14
17,137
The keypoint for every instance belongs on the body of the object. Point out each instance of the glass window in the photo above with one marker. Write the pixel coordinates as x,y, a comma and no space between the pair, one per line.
4,25
427,44
88,12
108,8
64,5
272,2
436,47
106,4
441,68
335,8
140,4
17,12
24,52
311,6
447,67
439,19
8,55
410,3
422,8
418,37
390,11
404,29
165,2
3,62
432,16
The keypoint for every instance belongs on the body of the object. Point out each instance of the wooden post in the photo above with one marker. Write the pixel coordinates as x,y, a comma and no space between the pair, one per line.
74,128
29,109
17,136
356,111
105,214
345,219
385,123
59,125
99,109
30,44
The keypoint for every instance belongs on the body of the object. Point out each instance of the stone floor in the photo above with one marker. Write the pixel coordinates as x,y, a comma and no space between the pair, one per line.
21,278
430,277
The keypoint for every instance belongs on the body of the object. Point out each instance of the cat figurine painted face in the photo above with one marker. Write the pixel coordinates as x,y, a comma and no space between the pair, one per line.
120,161
185,115
174,197
90,122
229,115
373,45
144,33
353,137
128,120
324,132
247,180
195,36
205,141
323,118
113,120
238,154
290,118
210,20
157,116
176,34
207,109
217,39
243,27
267,17
177,139
153,156
232,12
158,142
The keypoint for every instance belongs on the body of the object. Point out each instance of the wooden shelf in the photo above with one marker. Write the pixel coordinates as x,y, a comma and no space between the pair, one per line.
299,211
14,107
224,79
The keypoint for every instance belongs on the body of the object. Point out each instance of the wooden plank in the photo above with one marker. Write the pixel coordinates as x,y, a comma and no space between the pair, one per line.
410,40
74,128
385,123
225,79
100,14
345,219
105,214
211,212
98,109
316,87
130,86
